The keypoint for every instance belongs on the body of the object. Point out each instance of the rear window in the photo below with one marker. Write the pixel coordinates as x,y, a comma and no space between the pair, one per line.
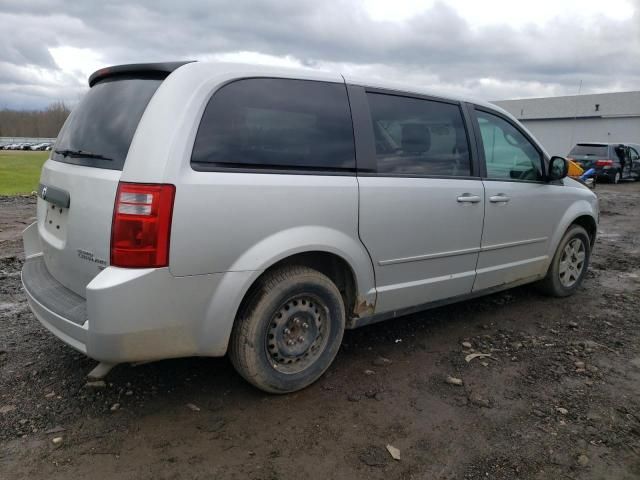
99,130
276,124
590,150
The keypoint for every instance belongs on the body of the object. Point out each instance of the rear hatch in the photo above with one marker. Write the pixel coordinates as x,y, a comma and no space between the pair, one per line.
79,182
586,154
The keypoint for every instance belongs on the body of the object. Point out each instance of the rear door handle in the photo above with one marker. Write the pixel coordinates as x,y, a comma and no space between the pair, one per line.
469,198
499,198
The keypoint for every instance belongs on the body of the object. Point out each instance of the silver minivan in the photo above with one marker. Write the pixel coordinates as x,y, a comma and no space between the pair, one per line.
203,209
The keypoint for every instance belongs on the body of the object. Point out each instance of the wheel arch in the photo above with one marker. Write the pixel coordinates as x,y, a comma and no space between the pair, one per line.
336,268
581,213
341,258
589,224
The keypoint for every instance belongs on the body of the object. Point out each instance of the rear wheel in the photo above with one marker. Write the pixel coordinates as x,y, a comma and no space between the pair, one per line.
289,330
616,177
569,264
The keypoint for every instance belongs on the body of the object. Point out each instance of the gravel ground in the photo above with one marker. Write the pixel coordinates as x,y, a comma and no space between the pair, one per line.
558,397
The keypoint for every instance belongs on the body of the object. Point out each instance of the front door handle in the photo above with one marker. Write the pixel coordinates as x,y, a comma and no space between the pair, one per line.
499,198
469,198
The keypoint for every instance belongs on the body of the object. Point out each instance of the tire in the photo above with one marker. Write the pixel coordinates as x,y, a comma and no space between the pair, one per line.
562,281
616,178
288,330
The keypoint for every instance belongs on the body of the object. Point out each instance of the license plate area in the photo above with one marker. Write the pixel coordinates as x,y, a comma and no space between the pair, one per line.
55,222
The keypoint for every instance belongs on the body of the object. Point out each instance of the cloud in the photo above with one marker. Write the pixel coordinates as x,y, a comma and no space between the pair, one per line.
437,46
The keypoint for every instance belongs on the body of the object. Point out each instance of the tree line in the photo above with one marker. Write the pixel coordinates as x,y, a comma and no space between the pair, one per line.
33,123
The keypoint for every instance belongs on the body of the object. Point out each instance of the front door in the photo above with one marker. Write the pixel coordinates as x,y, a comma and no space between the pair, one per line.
421,210
521,209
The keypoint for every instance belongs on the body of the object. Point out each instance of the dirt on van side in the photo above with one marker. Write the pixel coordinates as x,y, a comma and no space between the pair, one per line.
553,394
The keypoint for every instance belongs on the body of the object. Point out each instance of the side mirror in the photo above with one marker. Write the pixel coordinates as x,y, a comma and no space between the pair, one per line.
558,168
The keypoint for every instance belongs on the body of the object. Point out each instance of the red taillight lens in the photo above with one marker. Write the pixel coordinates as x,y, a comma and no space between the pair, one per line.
604,163
142,225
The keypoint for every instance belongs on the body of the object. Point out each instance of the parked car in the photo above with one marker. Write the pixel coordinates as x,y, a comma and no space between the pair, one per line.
18,146
283,207
40,146
612,161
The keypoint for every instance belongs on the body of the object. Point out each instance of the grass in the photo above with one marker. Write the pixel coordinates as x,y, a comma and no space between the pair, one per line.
20,171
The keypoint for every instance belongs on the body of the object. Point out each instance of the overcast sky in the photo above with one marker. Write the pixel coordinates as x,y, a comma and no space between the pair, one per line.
490,49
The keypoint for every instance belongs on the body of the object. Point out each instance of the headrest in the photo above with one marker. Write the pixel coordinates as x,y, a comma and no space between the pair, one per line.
415,138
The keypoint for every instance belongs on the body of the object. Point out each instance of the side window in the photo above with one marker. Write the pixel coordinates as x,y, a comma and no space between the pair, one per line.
508,153
634,154
418,137
276,124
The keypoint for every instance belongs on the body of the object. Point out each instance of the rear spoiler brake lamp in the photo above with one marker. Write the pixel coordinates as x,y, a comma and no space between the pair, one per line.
136,68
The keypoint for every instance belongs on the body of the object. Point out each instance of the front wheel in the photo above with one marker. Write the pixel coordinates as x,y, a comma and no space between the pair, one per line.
569,264
289,330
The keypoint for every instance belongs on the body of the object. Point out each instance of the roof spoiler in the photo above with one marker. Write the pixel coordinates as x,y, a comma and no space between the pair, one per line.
135,68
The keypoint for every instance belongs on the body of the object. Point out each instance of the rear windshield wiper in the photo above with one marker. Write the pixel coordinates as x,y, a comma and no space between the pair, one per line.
82,153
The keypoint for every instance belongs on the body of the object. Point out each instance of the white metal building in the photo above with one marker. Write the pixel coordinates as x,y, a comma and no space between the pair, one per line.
561,122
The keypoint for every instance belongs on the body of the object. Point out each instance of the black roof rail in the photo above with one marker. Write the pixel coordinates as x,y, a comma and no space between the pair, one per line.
134,68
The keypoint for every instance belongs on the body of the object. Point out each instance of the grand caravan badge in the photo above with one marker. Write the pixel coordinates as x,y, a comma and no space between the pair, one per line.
89,256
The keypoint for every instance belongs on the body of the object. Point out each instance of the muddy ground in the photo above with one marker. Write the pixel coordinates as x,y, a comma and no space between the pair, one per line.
559,398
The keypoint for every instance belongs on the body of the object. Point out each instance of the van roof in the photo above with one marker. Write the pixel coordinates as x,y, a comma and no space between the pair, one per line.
606,144
240,70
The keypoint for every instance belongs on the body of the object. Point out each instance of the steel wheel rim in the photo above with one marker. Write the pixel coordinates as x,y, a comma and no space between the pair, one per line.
298,333
572,262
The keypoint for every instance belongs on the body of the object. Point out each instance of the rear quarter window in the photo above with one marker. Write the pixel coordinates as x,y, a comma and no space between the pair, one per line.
276,124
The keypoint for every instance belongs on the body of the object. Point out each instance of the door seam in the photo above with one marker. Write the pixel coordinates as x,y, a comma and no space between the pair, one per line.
484,216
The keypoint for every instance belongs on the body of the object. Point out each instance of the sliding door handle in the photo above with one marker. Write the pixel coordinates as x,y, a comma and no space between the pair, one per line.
499,198
469,198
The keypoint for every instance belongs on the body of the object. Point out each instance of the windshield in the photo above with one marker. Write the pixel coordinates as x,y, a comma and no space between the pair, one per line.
601,151
99,131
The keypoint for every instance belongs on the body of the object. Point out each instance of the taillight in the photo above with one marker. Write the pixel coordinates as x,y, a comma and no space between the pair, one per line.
604,163
141,225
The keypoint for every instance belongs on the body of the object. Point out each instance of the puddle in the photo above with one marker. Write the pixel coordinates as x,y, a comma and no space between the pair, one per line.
607,236
11,308
623,281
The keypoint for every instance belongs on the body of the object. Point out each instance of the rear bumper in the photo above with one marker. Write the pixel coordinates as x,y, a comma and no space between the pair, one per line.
40,291
605,173
132,315
120,321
